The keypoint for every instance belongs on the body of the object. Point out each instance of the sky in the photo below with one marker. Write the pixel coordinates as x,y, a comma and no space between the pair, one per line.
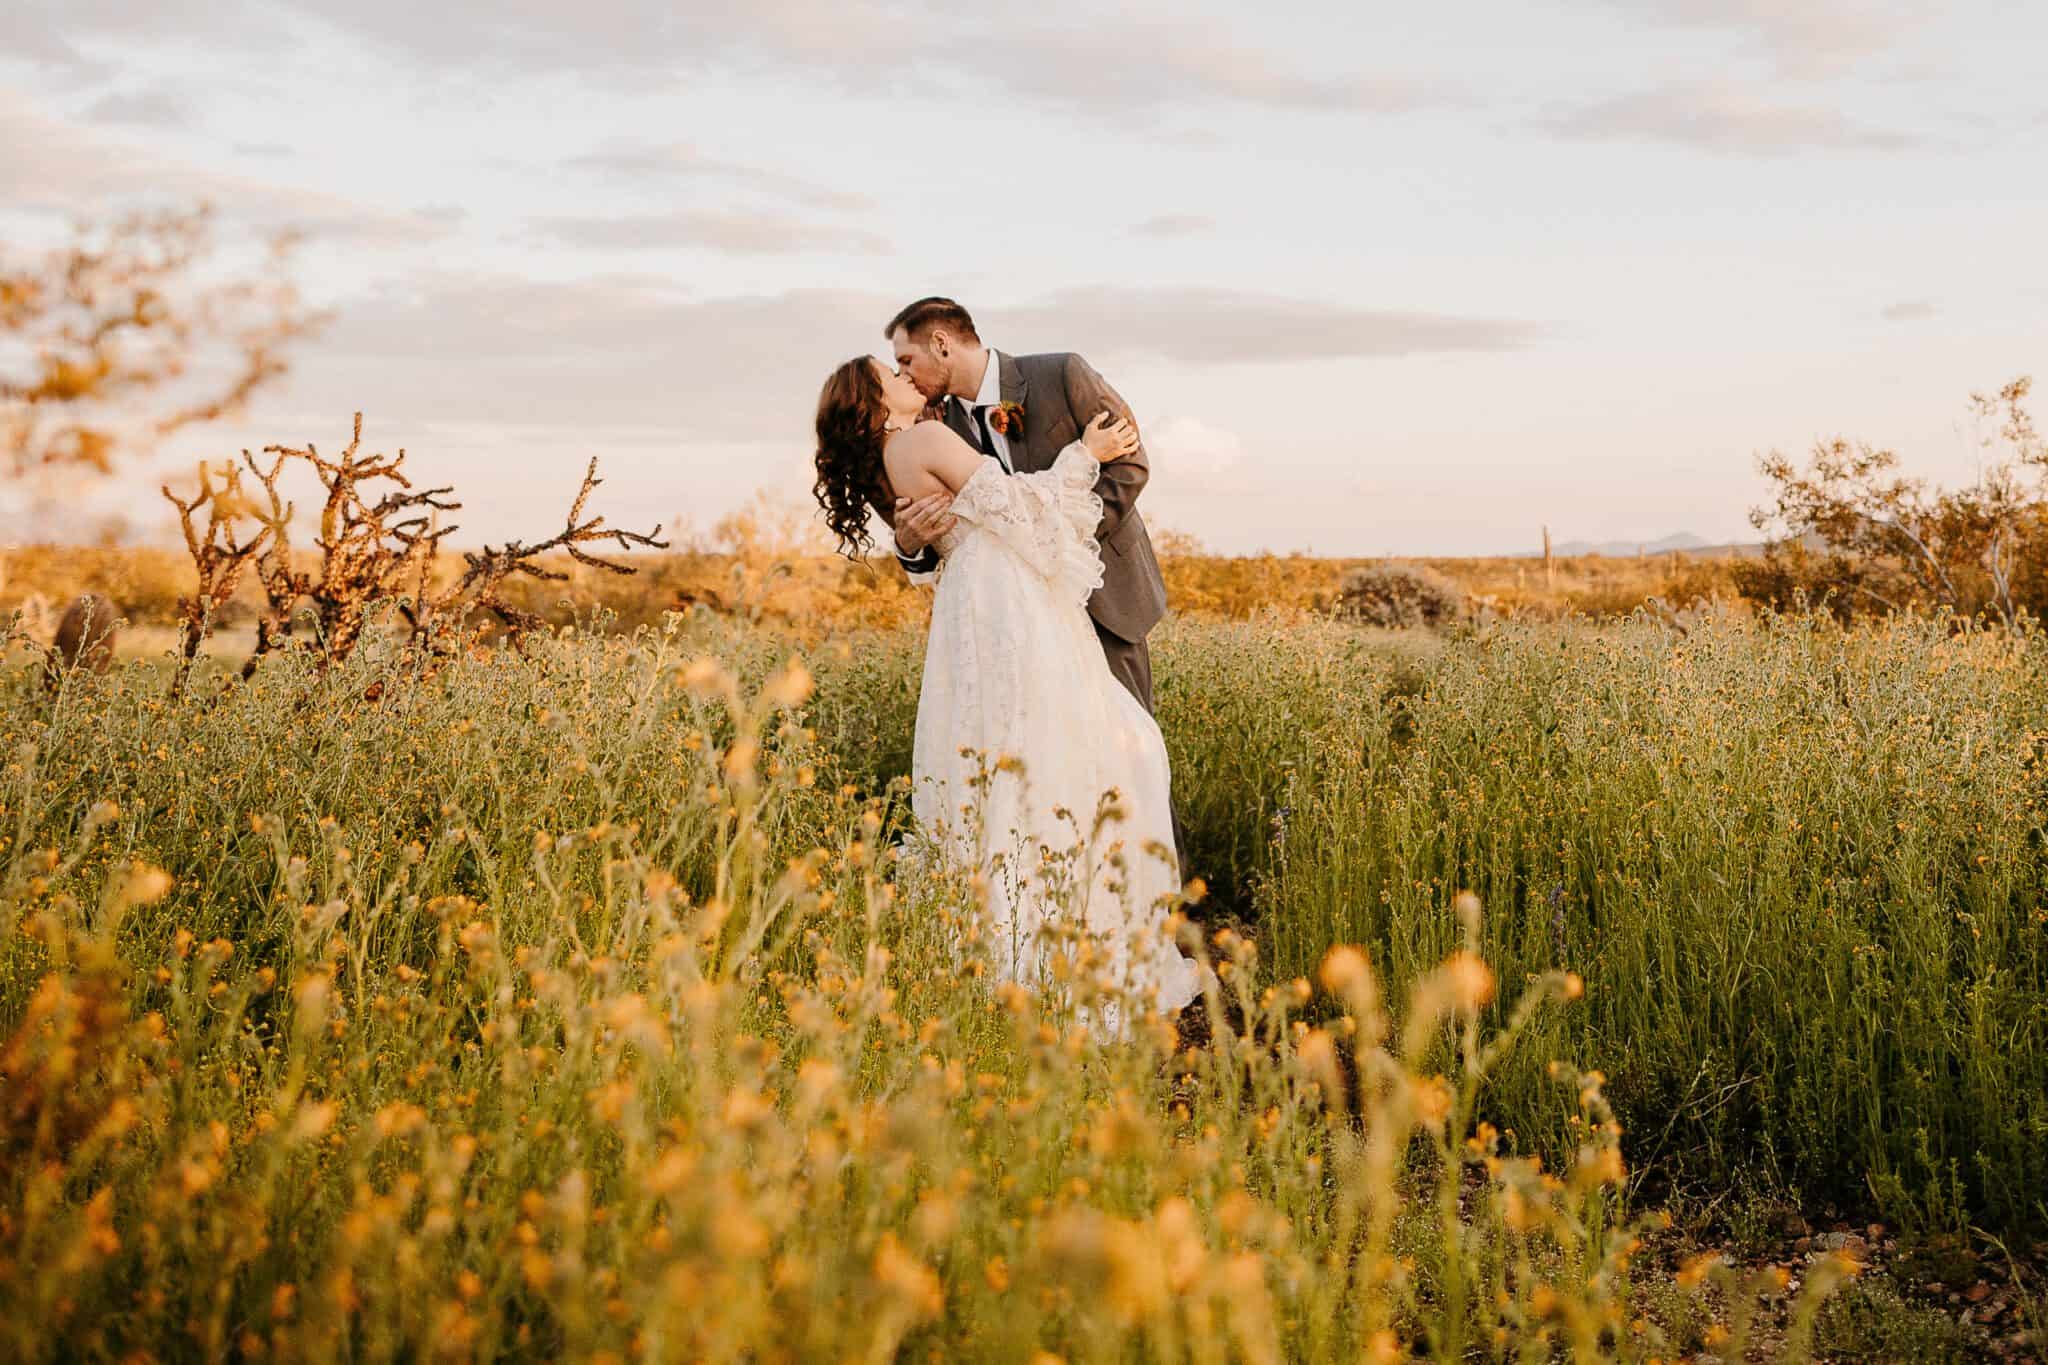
1376,279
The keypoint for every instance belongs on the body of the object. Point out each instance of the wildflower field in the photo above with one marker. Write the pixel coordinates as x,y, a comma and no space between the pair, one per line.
572,1003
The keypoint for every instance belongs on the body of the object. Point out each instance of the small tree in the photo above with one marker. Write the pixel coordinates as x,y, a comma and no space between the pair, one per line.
130,333
1850,529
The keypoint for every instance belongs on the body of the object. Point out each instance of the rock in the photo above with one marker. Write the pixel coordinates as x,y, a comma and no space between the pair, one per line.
1978,1292
85,638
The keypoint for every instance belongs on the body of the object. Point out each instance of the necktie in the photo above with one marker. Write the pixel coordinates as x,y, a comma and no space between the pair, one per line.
988,442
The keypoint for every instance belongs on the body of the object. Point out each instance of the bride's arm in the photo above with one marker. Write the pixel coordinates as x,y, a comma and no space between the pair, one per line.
1107,438
933,451
1048,516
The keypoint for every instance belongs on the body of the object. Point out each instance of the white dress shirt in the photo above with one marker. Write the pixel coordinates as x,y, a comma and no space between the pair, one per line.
990,395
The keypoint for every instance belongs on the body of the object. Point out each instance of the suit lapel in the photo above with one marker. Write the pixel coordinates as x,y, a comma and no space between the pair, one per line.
1015,391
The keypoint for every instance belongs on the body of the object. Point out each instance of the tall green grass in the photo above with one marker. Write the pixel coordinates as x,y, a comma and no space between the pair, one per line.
1801,870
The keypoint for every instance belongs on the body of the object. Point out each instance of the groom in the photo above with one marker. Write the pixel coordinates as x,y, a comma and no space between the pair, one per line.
937,346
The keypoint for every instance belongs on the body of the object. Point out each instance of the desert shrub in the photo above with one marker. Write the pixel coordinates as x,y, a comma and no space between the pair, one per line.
1871,1321
1399,596
1848,530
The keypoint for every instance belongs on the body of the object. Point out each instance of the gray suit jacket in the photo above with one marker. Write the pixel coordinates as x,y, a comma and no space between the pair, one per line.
1060,394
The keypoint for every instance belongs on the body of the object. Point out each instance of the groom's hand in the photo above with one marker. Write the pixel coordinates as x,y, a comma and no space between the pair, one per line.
920,522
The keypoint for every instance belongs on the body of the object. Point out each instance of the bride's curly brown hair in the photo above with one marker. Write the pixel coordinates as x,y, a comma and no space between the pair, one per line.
851,415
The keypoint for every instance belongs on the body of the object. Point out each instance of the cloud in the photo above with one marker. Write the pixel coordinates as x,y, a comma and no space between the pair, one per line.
1720,118
678,161
615,351
700,399
1803,39
637,351
83,22
1201,455
731,232
1168,225
1200,475
1186,61
144,108
1908,310
28,36
55,167
1069,54
1201,326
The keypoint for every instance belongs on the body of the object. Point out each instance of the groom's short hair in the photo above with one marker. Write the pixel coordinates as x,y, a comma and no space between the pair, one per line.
919,318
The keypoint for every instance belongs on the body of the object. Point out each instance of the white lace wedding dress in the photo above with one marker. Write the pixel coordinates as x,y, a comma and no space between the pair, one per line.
1014,675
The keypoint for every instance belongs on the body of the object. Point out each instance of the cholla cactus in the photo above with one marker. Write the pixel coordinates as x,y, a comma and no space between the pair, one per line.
435,617
376,532
379,538
219,558
1399,595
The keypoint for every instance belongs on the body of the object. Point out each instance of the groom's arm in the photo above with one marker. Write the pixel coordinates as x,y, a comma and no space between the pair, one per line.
918,567
921,566
1121,480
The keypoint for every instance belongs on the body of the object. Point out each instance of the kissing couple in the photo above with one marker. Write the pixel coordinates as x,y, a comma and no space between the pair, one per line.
1011,484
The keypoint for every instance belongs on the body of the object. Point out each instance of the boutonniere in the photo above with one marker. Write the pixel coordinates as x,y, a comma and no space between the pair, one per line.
1006,419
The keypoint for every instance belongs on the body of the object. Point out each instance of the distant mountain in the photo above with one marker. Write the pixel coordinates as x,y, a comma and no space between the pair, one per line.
1616,549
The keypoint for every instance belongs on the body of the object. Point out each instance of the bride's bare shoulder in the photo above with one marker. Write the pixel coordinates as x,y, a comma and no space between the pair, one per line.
931,450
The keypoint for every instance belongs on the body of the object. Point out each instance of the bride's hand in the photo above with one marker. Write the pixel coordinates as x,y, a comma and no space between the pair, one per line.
1107,440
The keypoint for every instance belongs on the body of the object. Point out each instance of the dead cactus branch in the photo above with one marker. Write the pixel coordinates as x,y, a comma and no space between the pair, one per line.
376,531
379,540
487,569
218,556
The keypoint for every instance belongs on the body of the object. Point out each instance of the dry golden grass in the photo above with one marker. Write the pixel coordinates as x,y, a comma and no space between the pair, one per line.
811,592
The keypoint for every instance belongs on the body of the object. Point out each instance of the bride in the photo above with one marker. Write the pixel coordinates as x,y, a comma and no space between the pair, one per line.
1014,677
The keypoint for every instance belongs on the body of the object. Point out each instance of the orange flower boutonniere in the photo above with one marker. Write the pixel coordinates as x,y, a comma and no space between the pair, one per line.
1006,419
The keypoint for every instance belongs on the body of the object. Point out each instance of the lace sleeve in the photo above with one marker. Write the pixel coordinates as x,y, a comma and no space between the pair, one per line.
1048,518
